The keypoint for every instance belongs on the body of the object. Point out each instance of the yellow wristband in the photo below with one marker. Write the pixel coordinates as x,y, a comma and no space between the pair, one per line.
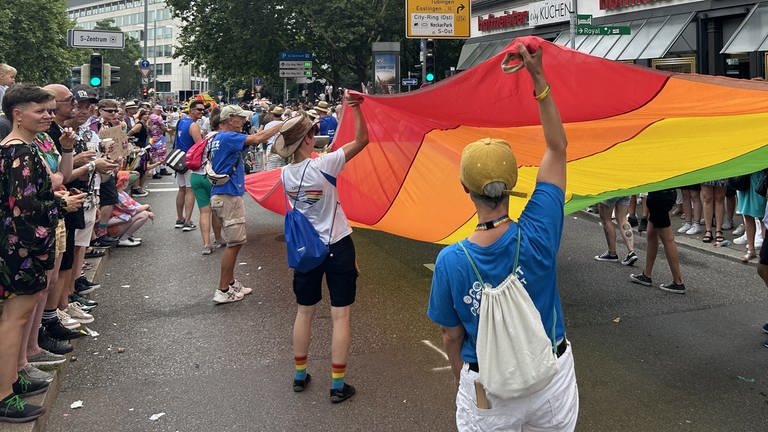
544,93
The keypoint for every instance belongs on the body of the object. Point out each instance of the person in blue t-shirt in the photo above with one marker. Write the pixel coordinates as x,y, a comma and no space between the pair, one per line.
328,123
488,173
187,134
226,158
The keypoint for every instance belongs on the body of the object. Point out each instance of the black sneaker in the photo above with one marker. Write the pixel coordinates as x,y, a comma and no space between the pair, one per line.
95,253
188,227
77,298
56,330
765,328
165,172
56,346
300,385
607,256
673,288
632,220
341,395
643,225
104,241
84,286
641,279
14,409
765,344
27,386
156,176
630,259
179,223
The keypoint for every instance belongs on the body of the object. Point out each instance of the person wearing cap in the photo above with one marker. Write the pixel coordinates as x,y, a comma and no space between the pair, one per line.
310,186
328,123
187,134
488,174
225,150
272,160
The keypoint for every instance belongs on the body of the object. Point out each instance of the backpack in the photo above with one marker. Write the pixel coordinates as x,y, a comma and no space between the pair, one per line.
515,355
176,161
194,156
302,242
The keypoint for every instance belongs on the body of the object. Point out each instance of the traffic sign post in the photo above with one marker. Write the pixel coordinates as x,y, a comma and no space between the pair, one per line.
295,64
447,19
104,39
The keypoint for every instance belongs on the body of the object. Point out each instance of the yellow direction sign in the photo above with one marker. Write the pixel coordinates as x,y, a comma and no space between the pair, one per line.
447,19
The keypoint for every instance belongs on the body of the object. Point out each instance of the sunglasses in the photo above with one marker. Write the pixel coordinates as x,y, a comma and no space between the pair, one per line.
109,110
70,100
199,109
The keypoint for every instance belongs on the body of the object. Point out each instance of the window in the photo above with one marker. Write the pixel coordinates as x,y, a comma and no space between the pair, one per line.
678,64
163,86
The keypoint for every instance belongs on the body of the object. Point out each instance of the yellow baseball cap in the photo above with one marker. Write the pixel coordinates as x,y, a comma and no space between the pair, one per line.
486,161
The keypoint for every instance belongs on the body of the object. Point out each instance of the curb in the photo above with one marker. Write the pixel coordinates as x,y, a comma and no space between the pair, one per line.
47,398
692,242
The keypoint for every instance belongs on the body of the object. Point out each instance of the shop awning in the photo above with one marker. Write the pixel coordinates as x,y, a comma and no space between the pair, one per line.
648,39
752,34
475,53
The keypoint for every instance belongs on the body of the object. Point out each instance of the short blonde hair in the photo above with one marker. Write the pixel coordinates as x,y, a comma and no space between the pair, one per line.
6,69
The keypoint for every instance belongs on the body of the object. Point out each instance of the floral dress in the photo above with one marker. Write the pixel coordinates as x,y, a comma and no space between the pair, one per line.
29,214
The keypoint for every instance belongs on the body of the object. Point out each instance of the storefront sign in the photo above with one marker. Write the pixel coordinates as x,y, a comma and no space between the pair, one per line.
549,12
620,4
511,19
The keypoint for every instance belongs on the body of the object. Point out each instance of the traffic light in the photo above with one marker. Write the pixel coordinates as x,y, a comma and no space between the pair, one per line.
96,69
429,61
77,73
111,74
145,92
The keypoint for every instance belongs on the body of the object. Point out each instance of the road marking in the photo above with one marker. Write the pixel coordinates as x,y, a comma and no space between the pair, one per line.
158,183
430,266
441,368
152,190
434,347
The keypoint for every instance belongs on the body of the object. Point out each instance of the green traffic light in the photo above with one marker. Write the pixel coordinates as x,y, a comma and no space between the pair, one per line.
430,77
95,81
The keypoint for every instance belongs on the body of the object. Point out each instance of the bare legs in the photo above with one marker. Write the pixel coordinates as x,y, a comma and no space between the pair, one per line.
670,250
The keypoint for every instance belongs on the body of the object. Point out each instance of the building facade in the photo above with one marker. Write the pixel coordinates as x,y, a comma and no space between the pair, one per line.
168,76
716,37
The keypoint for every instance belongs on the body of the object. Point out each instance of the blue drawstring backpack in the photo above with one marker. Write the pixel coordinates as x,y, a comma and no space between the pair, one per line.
303,245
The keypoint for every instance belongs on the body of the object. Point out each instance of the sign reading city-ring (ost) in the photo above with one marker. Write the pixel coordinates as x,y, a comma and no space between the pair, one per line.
104,39
446,19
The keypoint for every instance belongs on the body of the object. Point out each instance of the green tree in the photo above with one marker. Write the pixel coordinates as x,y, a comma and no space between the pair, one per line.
33,39
126,59
240,39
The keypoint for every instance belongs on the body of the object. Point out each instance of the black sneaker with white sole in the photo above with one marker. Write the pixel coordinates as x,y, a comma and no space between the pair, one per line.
14,409
641,279
189,227
84,286
607,256
673,288
765,328
345,393
630,259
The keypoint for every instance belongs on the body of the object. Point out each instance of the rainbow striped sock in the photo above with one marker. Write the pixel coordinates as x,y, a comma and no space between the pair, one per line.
300,362
337,376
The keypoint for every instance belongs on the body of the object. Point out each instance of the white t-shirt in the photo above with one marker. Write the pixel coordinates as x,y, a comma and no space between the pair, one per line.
318,198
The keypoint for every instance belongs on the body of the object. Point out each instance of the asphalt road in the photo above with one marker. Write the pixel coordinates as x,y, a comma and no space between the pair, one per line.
646,360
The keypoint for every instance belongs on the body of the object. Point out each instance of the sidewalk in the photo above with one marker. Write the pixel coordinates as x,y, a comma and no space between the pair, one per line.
693,242
46,399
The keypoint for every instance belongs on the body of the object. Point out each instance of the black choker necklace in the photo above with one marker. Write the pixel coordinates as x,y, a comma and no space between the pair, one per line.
484,226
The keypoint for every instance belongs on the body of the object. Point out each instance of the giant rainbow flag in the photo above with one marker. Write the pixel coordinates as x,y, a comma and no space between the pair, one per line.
630,129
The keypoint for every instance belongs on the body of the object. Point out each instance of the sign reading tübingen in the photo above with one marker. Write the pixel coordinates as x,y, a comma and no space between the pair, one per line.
446,19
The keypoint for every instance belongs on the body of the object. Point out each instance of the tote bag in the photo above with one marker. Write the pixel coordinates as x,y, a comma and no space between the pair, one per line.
515,356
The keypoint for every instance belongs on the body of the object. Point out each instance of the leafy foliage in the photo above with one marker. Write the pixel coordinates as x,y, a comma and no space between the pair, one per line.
33,39
130,78
235,40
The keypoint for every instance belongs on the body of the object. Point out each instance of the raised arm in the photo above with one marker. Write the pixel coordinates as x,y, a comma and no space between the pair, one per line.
262,136
351,149
552,168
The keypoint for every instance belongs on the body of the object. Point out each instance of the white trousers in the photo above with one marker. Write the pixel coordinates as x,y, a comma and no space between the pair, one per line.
554,408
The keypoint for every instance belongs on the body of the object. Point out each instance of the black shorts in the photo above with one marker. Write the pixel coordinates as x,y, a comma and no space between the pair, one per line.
764,254
659,204
69,252
108,192
340,274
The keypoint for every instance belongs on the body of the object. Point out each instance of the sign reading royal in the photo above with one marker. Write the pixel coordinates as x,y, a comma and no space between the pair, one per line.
549,12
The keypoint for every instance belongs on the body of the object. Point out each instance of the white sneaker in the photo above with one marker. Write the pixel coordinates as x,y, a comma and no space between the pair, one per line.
230,296
239,288
127,242
739,230
76,313
741,240
695,229
67,320
683,229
